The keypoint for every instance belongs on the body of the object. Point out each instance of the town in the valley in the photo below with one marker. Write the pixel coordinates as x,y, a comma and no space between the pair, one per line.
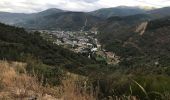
83,42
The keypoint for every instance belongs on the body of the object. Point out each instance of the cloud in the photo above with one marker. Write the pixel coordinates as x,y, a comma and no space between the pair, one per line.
88,1
29,6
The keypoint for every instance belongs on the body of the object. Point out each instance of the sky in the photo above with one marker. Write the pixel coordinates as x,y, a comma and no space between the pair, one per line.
31,6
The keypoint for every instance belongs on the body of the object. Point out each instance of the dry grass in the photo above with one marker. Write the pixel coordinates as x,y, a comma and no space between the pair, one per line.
75,88
16,84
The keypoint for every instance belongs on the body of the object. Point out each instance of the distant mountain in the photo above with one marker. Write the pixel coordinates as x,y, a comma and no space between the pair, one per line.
118,11
63,21
161,12
13,18
51,19
49,12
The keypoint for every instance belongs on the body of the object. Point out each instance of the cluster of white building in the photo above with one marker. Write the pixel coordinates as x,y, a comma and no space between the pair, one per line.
81,42
77,41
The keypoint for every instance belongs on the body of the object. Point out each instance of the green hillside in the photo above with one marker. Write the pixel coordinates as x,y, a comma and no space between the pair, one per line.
138,49
16,42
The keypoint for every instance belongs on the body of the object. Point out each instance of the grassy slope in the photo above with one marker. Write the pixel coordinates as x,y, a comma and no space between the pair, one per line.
16,84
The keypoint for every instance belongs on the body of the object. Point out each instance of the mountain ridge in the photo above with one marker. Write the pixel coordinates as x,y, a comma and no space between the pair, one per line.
30,20
118,11
62,21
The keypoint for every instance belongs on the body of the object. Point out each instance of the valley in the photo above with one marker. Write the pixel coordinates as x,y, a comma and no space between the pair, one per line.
82,42
117,53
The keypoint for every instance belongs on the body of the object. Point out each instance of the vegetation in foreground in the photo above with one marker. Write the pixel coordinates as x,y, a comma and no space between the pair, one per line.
138,82
16,84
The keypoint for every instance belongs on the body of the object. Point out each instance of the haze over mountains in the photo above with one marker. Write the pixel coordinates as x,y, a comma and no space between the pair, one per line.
118,11
162,12
59,19
13,18
62,21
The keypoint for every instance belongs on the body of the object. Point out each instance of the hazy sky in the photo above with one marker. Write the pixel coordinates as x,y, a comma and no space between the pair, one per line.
29,6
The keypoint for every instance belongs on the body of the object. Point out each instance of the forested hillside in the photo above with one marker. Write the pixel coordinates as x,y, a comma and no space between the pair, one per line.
16,43
149,48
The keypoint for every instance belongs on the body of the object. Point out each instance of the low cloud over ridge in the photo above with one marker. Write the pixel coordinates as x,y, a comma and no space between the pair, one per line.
30,6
